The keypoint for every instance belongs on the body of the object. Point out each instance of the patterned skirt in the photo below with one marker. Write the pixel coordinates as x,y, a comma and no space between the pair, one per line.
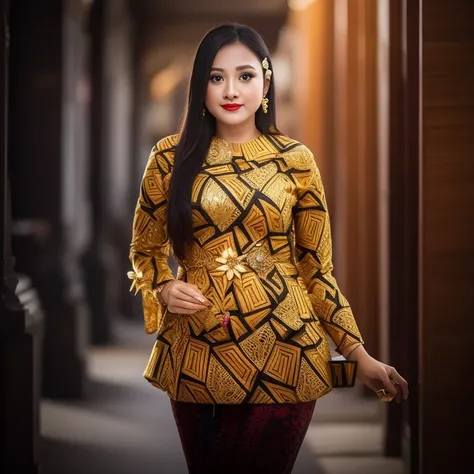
242,439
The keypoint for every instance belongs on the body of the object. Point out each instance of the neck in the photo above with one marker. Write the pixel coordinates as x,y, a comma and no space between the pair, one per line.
240,133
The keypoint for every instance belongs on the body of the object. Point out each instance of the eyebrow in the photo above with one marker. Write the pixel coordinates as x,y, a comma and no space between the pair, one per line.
238,68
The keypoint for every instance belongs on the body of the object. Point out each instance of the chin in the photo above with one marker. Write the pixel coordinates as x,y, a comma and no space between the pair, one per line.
228,119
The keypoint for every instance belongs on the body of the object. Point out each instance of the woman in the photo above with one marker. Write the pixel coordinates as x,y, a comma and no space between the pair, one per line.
242,346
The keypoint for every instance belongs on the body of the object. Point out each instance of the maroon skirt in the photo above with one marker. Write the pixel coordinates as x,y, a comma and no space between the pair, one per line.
238,439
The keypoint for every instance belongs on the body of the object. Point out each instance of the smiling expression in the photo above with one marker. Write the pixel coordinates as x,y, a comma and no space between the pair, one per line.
236,85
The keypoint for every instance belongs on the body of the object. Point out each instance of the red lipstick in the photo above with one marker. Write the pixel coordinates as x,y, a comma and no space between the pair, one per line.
231,107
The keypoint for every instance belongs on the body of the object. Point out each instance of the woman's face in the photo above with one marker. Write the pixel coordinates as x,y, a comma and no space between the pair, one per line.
236,85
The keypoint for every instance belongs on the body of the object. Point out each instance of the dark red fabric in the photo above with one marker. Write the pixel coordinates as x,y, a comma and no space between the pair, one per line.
242,439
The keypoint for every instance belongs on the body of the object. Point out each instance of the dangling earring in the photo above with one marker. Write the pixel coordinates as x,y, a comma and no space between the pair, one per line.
203,111
268,75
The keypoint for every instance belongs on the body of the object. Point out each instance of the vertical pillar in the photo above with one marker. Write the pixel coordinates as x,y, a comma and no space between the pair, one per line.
94,259
20,315
401,422
113,125
48,178
408,352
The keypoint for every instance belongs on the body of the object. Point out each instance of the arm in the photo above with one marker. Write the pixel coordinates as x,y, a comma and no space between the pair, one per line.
314,255
150,246
314,261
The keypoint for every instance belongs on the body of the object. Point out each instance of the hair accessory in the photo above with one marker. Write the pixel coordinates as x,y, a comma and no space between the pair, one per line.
266,66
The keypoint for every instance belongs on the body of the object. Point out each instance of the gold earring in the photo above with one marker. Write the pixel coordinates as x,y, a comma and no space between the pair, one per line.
265,105
203,111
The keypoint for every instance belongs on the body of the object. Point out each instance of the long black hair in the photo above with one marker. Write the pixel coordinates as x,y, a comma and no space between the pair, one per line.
198,130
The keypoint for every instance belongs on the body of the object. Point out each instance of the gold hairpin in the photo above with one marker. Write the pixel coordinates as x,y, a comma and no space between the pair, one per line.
266,66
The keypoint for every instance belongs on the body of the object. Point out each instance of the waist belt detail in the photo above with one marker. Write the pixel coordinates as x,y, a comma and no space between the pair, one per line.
258,258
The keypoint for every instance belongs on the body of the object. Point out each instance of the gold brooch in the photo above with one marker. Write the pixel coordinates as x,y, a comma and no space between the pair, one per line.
230,264
259,259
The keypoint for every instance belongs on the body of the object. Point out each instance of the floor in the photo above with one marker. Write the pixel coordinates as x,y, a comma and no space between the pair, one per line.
124,425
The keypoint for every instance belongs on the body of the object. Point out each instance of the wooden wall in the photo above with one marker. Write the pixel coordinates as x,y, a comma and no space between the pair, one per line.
446,278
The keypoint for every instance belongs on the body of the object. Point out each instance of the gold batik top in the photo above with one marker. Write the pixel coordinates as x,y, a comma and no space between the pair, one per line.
262,256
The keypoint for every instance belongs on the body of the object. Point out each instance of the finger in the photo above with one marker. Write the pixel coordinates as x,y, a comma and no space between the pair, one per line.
181,288
182,304
399,396
192,293
399,391
183,311
392,373
400,383
191,290
388,384
181,296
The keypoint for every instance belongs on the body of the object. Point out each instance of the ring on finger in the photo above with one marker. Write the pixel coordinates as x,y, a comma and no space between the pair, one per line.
384,396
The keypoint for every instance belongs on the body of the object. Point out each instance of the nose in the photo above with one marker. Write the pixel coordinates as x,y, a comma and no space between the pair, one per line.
230,91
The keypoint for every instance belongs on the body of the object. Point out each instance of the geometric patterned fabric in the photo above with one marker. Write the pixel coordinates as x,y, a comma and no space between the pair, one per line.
262,255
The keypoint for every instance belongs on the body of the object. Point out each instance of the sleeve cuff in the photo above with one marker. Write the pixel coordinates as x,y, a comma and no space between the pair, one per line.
347,341
155,313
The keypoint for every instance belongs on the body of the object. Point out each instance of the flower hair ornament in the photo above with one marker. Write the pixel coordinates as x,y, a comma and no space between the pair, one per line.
268,74
266,66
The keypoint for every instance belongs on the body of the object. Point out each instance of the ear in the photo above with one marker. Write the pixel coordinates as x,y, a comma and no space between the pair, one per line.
266,85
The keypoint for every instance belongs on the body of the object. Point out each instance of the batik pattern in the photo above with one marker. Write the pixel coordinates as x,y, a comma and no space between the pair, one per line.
262,256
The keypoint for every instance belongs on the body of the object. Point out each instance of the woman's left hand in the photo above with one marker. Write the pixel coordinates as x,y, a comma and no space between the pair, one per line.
384,380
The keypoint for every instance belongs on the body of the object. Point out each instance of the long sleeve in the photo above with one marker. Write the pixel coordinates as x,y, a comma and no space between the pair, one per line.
150,246
314,255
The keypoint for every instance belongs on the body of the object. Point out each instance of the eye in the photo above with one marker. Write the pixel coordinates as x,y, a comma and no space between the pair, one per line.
216,78
247,76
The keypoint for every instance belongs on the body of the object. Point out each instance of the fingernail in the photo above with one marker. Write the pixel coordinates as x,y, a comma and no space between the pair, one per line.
199,298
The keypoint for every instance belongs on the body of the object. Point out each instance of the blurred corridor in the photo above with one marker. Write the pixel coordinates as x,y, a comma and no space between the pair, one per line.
379,90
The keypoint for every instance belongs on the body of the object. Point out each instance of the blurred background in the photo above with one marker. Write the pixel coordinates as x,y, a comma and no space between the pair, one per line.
379,90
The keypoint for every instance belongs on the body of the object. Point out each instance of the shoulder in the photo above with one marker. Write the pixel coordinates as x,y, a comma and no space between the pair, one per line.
296,154
167,144
162,155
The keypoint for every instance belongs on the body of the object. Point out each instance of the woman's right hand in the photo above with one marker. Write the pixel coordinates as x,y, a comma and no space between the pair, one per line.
183,298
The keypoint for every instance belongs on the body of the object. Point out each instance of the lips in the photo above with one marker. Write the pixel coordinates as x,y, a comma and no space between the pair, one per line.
231,107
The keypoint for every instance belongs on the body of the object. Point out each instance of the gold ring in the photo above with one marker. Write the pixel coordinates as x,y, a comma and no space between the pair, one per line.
384,396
